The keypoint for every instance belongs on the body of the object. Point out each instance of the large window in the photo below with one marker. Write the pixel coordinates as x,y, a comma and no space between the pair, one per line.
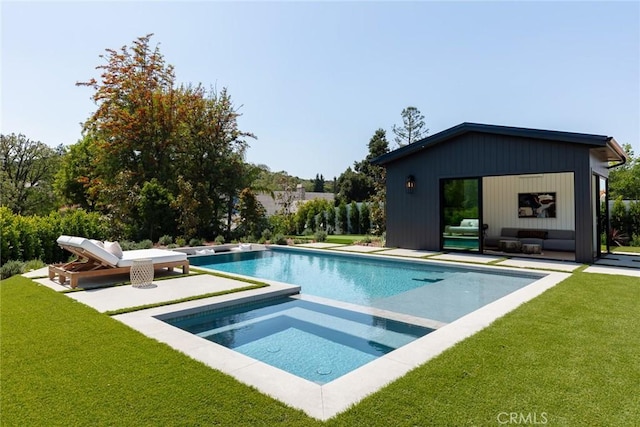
460,215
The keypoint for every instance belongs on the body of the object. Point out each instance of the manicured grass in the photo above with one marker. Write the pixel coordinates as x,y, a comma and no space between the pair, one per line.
345,239
633,249
65,364
572,354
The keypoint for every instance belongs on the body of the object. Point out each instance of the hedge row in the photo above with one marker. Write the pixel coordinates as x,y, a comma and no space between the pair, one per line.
625,219
24,238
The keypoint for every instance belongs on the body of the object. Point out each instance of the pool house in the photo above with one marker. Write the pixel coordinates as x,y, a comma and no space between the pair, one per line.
487,188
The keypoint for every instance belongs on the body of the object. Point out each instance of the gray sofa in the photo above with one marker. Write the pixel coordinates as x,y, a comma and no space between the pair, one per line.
551,240
467,227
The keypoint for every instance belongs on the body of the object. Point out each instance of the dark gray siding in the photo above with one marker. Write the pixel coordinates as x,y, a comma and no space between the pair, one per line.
598,166
413,220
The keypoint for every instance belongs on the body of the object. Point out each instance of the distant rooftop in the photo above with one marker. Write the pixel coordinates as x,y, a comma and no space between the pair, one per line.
273,204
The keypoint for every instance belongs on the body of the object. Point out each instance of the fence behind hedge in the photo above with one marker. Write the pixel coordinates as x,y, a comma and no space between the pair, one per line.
24,238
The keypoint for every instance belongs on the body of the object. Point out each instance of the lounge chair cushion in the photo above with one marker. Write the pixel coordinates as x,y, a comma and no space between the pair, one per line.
114,248
82,244
156,255
97,243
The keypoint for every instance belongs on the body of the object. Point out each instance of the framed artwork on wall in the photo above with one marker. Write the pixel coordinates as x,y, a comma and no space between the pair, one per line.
537,205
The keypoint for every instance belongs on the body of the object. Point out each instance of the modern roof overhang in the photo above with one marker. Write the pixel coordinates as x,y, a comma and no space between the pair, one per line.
613,152
605,147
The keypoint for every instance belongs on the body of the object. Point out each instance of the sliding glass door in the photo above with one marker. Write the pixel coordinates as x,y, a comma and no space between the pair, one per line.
600,216
460,214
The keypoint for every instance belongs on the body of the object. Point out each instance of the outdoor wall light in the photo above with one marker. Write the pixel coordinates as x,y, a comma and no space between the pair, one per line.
410,184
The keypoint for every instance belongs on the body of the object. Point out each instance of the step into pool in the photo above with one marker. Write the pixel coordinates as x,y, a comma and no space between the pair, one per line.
314,341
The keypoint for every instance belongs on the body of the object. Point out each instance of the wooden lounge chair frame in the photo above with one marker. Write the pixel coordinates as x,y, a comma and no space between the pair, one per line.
88,265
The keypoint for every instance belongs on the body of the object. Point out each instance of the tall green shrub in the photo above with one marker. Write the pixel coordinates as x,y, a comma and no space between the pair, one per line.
34,237
365,218
9,235
354,218
343,219
619,216
331,217
301,217
634,219
311,220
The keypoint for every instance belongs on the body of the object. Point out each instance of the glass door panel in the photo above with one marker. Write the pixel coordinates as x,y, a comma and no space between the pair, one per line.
603,218
460,215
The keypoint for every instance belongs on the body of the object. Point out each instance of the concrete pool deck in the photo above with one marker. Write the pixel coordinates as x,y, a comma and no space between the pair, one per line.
319,401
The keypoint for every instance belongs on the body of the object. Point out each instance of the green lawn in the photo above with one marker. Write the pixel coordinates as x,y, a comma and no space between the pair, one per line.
570,357
632,249
346,239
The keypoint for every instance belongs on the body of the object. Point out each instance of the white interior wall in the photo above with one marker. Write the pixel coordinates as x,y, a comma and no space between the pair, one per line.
500,201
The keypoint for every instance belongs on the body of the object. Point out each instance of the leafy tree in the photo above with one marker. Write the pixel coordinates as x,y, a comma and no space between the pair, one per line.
146,128
253,218
624,180
367,179
378,145
412,129
187,206
354,186
343,219
354,218
274,181
27,174
154,206
135,119
76,181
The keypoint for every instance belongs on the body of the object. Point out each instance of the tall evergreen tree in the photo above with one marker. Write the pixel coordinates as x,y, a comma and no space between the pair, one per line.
252,215
318,184
378,145
412,129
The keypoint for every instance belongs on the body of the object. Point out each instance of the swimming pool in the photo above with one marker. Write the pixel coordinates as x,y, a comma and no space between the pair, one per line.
323,401
313,341
415,288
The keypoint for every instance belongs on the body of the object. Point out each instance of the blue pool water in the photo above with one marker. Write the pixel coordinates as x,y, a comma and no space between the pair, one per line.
310,340
439,293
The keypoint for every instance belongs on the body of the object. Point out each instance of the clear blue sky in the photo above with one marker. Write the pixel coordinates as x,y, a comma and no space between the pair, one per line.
316,79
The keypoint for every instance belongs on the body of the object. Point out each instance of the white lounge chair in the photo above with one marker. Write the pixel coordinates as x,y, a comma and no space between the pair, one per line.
95,261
